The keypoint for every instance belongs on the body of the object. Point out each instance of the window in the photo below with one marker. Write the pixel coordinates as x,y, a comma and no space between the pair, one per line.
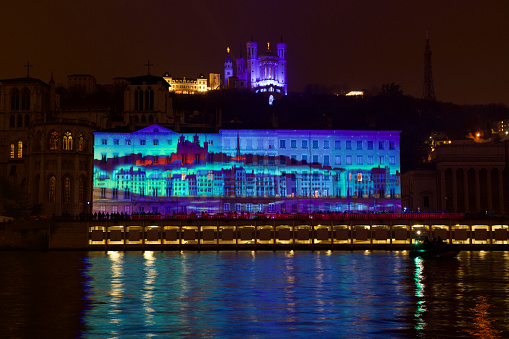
27,120
326,144
304,158
20,149
337,144
260,208
326,160
304,144
52,189
12,151
380,145
104,141
15,99
391,145
103,158
426,202
115,158
81,143
381,160
272,207
392,160
12,121
115,142
282,144
226,207
20,121
359,177
293,159
67,190
315,144
238,207
370,160
128,141
370,145
359,160
282,160
67,141
348,144
315,159
359,145
53,141
338,160
142,142
348,159
249,207
170,142
271,143
25,99
156,142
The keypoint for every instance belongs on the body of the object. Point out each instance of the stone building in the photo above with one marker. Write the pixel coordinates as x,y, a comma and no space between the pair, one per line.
465,176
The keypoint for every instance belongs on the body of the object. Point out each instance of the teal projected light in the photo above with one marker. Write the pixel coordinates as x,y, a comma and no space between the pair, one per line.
158,170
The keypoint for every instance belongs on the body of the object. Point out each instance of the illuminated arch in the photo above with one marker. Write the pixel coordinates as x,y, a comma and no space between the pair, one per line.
52,188
67,141
20,149
81,143
11,154
53,141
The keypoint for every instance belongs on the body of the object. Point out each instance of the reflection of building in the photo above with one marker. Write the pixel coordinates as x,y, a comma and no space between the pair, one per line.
158,170
260,73
464,176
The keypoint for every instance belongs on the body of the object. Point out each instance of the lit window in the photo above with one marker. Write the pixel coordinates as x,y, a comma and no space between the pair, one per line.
53,141
52,189
348,159
81,143
20,149
338,160
359,176
12,151
67,141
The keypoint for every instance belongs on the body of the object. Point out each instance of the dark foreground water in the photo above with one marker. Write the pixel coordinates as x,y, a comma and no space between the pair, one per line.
252,295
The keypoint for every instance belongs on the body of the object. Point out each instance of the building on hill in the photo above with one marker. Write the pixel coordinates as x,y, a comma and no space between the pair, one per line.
261,73
186,85
82,83
158,170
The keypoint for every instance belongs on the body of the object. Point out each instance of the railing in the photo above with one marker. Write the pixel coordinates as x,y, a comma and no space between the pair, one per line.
298,216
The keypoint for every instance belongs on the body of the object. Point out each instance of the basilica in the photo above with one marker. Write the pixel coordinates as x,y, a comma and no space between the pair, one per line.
260,73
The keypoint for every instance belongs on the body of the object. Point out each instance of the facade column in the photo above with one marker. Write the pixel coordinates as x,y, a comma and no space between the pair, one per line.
501,189
489,191
443,205
454,190
465,190
477,191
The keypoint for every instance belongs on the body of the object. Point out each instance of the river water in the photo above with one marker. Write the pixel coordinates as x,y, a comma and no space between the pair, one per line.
252,295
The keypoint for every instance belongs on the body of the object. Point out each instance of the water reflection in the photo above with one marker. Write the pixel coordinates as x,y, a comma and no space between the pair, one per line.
252,295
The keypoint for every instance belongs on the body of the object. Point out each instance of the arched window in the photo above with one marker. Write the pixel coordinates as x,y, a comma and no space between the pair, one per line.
151,107
136,100
25,99
52,189
20,121
150,118
81,189
67,141
67,190
143,119
147,100
140,100
12,152
12,121
27,120
14,99
53,141
20,149
81,143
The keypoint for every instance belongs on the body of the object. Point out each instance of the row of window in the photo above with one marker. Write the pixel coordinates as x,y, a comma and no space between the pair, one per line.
144,100
67,141
315,144
66,189
20,121
18,100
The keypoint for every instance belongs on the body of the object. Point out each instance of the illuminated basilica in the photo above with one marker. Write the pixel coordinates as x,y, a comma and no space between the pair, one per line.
260,73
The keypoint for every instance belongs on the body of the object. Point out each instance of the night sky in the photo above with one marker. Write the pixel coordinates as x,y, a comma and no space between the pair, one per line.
356,43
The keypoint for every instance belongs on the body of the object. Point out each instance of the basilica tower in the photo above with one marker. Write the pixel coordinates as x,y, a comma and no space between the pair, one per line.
228,67
252,63
281,76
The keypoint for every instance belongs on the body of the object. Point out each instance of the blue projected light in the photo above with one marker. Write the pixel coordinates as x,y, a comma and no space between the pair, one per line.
158,170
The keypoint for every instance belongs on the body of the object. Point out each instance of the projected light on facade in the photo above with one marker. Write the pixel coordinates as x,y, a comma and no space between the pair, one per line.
158,170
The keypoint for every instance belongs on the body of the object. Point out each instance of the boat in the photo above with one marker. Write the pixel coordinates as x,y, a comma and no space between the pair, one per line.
434,250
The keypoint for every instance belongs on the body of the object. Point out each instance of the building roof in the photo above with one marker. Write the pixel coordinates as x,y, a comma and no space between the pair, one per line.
148,80
23,81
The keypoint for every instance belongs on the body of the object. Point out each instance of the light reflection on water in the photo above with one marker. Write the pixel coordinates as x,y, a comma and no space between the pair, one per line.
252,295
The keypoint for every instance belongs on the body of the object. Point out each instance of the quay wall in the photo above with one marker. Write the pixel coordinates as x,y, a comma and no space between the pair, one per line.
251,234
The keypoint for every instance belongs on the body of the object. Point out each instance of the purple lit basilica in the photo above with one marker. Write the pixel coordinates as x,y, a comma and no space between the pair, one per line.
260,73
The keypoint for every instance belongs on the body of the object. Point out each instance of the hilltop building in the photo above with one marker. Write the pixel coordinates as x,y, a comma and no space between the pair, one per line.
260,73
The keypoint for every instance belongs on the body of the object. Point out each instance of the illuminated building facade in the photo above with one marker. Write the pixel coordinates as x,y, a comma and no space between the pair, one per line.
272,171
264,73
186,85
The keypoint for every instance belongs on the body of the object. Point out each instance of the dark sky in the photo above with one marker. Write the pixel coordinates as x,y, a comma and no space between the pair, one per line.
358,43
